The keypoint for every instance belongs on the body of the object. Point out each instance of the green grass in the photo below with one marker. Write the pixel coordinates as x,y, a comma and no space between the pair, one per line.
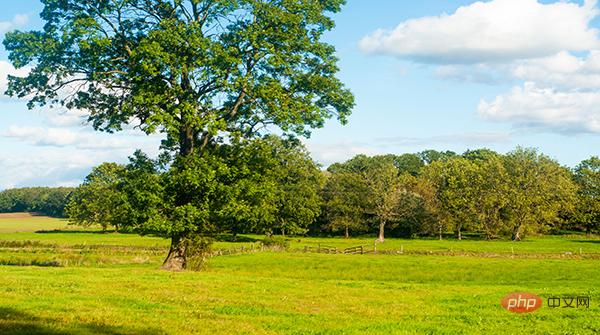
26,223
108,291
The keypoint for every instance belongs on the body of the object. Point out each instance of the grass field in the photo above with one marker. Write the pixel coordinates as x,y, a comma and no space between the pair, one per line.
93,283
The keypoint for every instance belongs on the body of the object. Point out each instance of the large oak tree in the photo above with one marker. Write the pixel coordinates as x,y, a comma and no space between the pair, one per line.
200,71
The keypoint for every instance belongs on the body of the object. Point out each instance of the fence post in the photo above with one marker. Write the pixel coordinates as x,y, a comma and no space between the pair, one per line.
401,248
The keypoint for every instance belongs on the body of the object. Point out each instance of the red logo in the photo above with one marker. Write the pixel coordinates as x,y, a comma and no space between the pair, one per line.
522,302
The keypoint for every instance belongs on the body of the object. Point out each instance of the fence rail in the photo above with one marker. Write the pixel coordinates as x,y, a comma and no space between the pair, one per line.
355,250
322,249
364,250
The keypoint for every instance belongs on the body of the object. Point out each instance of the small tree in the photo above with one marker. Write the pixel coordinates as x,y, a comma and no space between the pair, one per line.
98,201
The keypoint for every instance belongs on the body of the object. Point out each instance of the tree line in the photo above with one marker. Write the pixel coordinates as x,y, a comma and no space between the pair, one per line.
272,186
44,200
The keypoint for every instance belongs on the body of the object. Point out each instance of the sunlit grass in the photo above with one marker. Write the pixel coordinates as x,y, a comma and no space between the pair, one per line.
111,284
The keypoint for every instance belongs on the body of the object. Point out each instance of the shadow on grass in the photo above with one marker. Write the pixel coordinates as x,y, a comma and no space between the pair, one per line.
239,238
73,231
15,322
587,241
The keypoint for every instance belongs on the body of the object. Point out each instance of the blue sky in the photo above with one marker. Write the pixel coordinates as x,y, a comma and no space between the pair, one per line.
429,74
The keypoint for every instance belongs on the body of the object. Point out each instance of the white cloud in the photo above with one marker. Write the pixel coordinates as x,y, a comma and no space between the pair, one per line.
562,70
17,21
467,138
64,164
62,137
328,154
66,118
546,108
494,31
49,168
44,168
479,73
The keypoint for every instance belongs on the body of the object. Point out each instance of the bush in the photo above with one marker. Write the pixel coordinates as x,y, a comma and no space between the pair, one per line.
276,242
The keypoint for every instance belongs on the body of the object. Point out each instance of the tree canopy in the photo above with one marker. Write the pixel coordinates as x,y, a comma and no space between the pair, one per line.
208,74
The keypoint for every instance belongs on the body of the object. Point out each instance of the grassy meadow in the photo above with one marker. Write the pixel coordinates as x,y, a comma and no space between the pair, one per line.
59,279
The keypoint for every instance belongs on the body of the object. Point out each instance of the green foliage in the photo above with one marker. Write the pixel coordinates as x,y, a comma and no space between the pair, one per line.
98,201
539,190
456,182
275,242
409,163
297,180
344,201
430,156
587,178
44,200
195,70
479,192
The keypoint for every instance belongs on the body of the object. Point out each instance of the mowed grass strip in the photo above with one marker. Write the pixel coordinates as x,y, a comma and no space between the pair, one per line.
283,293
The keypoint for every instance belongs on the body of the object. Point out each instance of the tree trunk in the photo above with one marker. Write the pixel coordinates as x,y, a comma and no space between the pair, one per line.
186,141
458,233
176,259
346,232
440,232
516,235
283,232
381,231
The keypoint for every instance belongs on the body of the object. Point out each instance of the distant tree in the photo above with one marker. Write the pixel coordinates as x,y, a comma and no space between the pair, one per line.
299,182
49,201
366,189
410,163
492,189
99,200
418,208
456,182
539,190
430,156
385,193
587,178
479,154
344,201
202,72
290,181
